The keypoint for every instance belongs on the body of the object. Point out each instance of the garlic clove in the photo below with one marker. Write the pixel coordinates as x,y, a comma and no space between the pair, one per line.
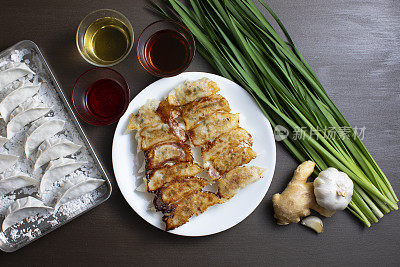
314,223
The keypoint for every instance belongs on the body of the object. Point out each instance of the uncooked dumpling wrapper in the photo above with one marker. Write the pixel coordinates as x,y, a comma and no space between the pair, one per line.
17,97
52,149
15,181
40,131
7,161
23,208
72,191
14,73
24,114
56,171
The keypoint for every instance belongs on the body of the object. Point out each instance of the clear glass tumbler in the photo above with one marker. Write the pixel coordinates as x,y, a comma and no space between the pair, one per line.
104,37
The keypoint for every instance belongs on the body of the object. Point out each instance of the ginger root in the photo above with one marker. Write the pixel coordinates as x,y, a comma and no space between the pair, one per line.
298,197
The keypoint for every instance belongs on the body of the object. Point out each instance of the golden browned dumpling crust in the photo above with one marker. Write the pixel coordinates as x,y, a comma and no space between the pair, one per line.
160,154
169,115
229,160
192,205
177,190
212,127
146,116
190,91
159,177
200,109
224,142
236,179
152,135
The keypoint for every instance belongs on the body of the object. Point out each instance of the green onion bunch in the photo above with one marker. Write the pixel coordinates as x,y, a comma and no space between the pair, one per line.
240,43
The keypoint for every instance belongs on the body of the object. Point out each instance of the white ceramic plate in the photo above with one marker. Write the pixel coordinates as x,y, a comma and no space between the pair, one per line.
126,162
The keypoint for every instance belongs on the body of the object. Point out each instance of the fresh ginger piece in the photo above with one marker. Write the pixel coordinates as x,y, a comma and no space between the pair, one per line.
298,197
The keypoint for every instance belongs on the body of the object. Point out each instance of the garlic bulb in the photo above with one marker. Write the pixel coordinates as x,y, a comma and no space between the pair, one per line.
333,189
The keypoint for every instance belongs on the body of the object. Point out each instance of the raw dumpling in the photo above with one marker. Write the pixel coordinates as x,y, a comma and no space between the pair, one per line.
6,161
57,170
16,97
3,140
54,149
40,131
23,208
74,190
15,181
9,75
24,114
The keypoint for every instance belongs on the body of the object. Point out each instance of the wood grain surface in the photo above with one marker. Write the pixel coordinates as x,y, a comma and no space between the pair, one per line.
354,48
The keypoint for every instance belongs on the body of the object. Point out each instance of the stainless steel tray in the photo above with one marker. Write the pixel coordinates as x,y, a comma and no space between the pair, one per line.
8,241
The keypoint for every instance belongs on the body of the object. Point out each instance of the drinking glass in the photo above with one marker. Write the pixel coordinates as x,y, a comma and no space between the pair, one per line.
104,37
80,95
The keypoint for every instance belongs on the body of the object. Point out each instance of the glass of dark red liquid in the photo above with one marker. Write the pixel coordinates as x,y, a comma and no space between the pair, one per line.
165,48
100,96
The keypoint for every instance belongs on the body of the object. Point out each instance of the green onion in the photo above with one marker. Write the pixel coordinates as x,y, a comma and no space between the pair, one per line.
240,43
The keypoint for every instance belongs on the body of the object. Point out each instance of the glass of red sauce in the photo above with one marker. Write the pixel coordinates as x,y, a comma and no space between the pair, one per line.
100,96
165,48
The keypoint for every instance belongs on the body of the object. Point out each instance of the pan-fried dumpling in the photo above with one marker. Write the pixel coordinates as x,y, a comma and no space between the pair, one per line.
23,208
238,178
24,114
15,181
153,135
3,140
54,149
16,97
212,127
7,161
200,109
40,131
193,205
191,91
158,155
169,115
224,142
75,190
57,170
145,116
14,73
230,159
160,177
177,190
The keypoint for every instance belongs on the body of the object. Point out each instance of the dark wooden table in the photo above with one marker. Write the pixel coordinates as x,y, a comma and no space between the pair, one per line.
354,48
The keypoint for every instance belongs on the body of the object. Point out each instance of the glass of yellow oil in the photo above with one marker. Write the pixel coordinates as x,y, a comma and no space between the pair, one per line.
104,37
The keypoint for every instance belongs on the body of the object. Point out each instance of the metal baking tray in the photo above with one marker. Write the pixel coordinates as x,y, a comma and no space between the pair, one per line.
8,241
